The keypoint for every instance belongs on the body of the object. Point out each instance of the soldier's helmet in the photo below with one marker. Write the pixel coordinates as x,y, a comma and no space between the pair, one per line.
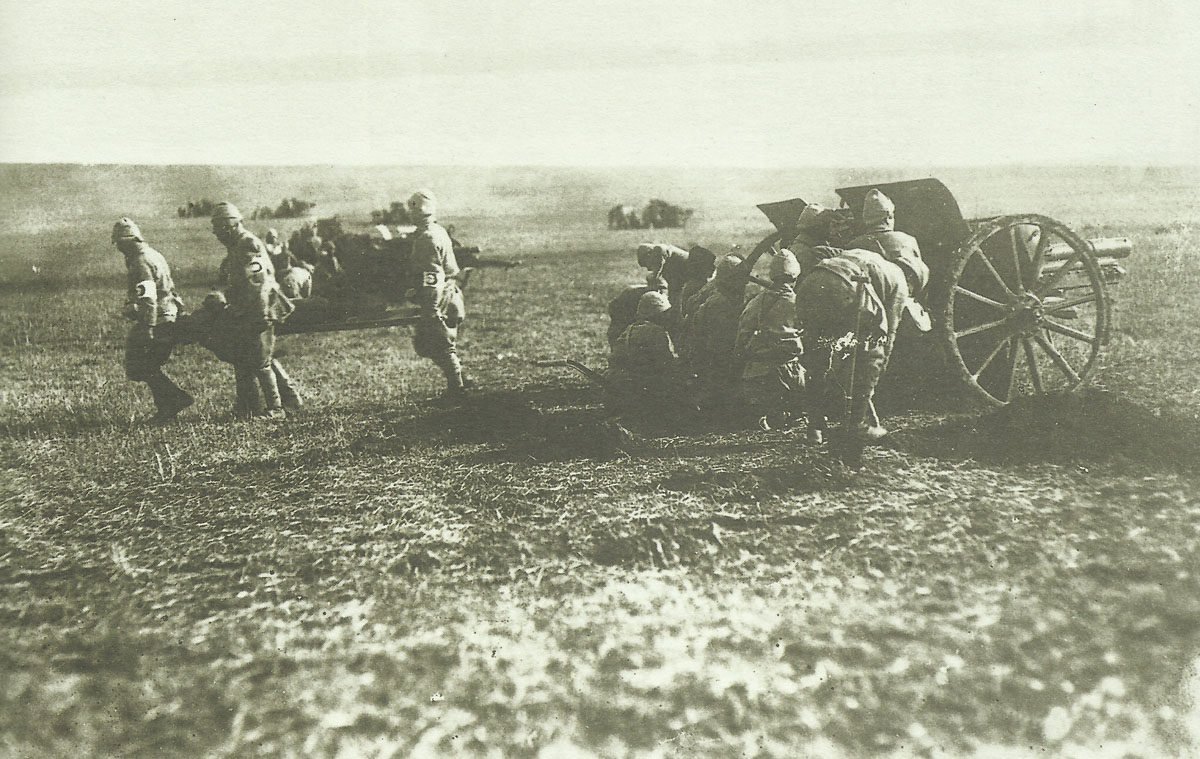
783,266
652,304
226,214
421,205
272,236
126,229
879,212
728,267
814,221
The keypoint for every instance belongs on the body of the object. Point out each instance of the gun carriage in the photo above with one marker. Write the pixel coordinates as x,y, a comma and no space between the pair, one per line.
1020,303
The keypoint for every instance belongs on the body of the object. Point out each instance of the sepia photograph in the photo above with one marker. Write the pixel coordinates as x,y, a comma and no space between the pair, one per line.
605,378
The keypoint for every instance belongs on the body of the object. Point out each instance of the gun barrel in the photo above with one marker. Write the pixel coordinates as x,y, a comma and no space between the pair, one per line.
1106,247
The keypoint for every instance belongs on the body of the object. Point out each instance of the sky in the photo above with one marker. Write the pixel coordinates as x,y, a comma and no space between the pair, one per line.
599,83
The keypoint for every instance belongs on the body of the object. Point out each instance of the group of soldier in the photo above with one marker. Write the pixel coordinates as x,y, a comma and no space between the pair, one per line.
689,342
811,345
255,291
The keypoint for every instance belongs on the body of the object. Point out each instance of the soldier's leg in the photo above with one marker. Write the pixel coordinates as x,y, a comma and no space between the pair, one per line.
144,359
792,382
871,363
264,371
246,403
434,340
287,391
817,356
173,398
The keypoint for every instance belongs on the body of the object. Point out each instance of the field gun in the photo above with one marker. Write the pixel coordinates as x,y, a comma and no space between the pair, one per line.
1020,303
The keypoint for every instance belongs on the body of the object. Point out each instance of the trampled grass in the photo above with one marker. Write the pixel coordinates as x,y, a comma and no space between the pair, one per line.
379,576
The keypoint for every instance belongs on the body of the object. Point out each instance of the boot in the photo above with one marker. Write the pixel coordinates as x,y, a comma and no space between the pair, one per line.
270,391
169,398
869,429
287,391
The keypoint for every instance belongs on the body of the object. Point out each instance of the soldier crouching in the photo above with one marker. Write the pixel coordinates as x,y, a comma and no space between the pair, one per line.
153,306
769,344
646,378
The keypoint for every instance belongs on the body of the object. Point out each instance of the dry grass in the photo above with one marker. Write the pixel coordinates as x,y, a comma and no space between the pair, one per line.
379,576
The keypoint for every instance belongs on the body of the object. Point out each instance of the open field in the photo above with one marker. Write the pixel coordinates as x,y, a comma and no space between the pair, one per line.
379,576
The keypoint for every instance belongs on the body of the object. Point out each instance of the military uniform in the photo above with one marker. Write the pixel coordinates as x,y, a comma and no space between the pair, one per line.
281,256
712,336
622,310
769,344
153,305
668,262
645,375
255,305
435,268
700,267
879,221
830,303
295,282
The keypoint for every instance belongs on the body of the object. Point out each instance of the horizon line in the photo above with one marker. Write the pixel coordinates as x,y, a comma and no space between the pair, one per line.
629,166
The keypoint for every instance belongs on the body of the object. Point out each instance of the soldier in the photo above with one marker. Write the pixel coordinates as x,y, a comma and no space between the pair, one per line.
769,342
622,310
255,305
646,377
295,282
668,262
712,334
153,306
745,267
441,301
701,264
281,256
880,235
849,304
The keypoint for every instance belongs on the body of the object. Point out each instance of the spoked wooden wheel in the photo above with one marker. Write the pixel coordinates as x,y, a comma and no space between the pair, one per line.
1026,310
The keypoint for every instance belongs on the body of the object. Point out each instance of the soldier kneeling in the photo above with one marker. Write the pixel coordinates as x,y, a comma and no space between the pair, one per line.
645,376
769,344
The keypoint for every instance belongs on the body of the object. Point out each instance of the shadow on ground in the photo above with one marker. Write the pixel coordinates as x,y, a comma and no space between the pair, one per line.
516,426
1091,426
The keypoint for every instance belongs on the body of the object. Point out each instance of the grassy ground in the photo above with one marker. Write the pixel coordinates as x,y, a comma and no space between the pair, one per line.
379,576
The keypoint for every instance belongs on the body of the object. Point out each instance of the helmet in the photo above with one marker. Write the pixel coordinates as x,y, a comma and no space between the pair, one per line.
879,212
226,212
813,219
783,266
652,304
272,235
215,301
421,205
727,268
126,229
